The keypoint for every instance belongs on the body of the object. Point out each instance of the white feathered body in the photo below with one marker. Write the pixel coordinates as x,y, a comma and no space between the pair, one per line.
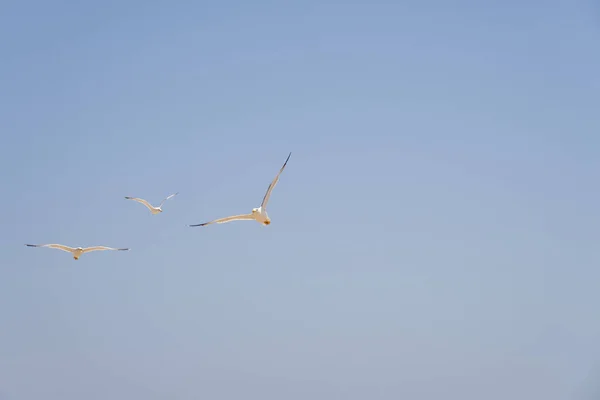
261,216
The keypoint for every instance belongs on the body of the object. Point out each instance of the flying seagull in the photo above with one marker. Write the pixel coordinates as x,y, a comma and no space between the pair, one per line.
76,251
153,210
258,214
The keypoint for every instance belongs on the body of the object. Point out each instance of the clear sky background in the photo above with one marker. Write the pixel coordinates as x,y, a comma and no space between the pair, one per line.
434,235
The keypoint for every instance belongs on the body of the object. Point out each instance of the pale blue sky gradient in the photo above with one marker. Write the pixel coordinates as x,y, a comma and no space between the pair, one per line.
435,233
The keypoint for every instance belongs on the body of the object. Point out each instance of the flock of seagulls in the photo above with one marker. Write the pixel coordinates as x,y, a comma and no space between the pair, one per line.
258,214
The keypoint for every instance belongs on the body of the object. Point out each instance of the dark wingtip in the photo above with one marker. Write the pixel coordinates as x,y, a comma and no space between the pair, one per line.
286,160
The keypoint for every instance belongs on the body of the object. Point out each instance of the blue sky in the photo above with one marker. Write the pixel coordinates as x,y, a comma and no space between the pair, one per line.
434,234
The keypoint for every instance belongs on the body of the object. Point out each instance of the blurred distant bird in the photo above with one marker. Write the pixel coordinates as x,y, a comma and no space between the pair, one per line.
153,210
258,214
76,251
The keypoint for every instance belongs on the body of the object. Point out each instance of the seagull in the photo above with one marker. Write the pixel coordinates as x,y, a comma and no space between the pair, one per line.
258,214
76,251
153,210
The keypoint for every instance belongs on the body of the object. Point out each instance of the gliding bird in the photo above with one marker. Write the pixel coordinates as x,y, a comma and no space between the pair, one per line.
76,251
258,214
153,210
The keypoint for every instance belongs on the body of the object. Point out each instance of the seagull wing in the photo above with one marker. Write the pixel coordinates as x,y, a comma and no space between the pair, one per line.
167,198
228,219
272,185
96,248
54,246
144,202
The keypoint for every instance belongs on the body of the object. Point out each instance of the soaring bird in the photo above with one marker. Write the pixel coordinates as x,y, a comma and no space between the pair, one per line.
153,210
258,214
76,251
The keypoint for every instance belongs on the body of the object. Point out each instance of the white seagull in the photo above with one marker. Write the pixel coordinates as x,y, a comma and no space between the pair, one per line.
153,210
76,251
258,214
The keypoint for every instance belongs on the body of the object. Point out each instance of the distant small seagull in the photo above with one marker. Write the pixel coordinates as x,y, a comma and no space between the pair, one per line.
258,214
76,251
153,210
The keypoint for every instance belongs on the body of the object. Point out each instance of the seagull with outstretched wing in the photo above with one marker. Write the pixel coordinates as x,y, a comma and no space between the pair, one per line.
76,251
258,214
153,210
